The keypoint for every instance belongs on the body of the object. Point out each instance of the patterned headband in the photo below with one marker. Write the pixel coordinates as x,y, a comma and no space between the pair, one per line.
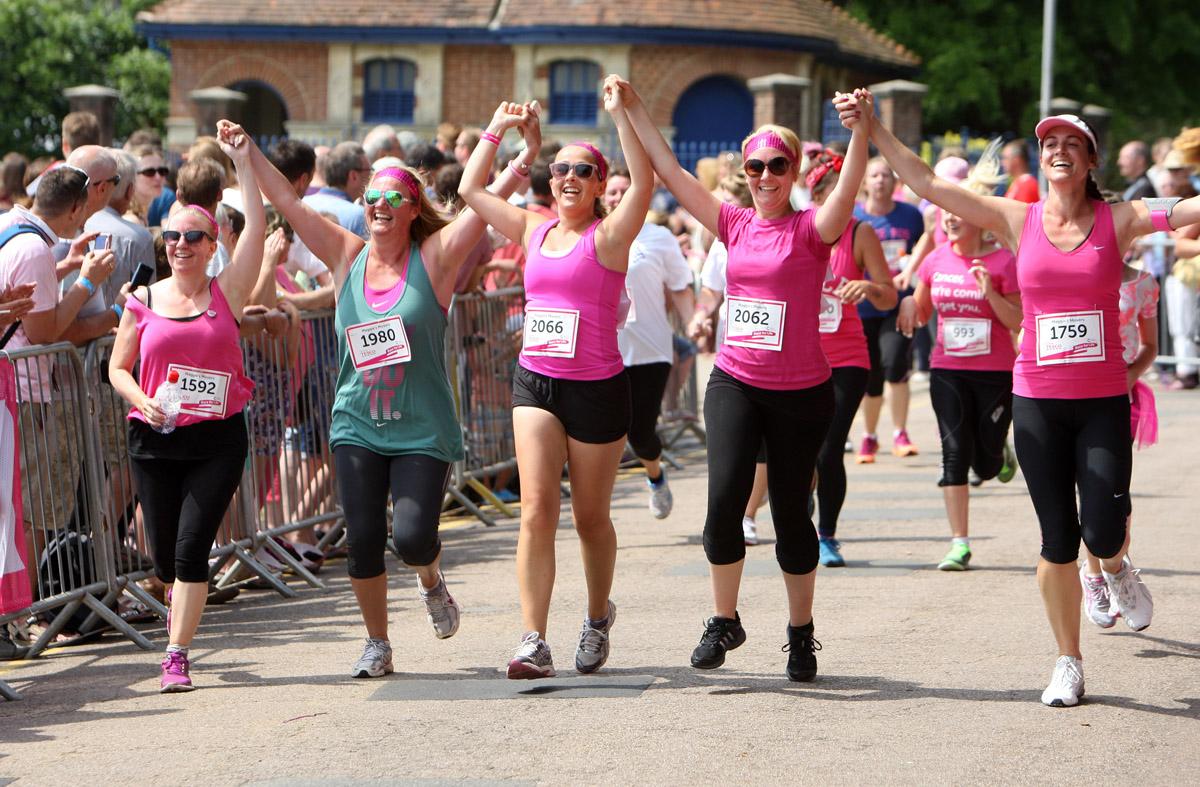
818,172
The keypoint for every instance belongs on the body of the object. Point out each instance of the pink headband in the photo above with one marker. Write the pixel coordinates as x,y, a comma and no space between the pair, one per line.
404,176
601,162
769,139
205,214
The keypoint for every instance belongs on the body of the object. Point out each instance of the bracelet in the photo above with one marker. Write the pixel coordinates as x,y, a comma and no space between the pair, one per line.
488,136
87,284
517,170
116,307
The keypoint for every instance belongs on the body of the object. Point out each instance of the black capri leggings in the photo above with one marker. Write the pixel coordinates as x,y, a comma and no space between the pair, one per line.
647,382
417,484
1064,444
889,350
974,410
183,503
740,418
849,383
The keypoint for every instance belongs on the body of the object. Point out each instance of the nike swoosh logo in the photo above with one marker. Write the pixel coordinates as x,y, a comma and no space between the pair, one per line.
1097,248
381,424
378,305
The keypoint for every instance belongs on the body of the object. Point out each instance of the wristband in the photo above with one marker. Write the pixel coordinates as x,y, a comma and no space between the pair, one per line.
1160,211
87,284
517,170
116,307
488,136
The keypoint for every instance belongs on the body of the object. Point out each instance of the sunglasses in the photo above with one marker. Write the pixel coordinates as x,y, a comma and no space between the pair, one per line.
755,167
115,179
393,198
152,171
583,171
191,236
87,180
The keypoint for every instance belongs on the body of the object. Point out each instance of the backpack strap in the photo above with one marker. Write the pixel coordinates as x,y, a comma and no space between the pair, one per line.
5,236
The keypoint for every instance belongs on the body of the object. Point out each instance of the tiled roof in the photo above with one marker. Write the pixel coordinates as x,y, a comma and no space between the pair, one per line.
325,13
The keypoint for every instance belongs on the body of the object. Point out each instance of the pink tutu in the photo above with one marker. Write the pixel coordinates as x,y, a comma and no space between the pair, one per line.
1143,416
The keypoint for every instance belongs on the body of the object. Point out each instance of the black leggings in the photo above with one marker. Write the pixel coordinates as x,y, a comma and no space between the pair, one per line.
889,350
417,484
740,418
647,382
974,410
849,383
1063,444
183,503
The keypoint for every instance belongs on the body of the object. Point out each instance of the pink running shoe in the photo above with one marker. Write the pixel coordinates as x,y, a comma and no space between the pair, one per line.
867,451
175,673
902,446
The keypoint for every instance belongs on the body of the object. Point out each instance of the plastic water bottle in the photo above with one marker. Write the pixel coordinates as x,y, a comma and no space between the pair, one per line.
168,399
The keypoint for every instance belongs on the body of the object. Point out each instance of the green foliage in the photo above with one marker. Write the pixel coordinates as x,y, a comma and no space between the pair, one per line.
54,44
982,60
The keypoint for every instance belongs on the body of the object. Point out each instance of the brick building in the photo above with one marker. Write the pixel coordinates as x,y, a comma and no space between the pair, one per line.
709,69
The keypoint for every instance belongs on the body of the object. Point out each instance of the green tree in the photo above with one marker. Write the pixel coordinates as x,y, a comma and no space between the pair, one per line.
53,44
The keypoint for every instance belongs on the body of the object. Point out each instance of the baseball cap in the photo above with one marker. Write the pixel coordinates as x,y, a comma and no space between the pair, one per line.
1074,121
953,169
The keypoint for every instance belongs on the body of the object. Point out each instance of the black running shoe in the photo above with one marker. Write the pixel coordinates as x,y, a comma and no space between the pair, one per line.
801,649
720,635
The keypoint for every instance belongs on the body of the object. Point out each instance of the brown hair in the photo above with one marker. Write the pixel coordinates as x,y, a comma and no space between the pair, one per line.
80,128
12,186
200,182
428,219
208,148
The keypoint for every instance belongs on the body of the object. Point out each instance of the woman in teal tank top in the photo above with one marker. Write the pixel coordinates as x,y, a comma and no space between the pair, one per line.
394,429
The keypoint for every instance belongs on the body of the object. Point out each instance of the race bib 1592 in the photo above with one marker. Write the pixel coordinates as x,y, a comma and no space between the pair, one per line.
202,392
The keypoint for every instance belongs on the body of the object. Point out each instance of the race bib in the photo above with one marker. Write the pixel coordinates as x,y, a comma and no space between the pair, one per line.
202,392
1070,337
378,343
964,337
830,318
894,251
551,332
755,323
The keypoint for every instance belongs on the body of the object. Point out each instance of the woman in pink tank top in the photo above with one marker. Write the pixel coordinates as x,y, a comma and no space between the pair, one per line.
1070,384
185,329
857,255
570,391
772,380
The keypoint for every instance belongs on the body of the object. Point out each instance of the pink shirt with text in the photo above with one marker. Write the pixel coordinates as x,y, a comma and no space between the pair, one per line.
969,334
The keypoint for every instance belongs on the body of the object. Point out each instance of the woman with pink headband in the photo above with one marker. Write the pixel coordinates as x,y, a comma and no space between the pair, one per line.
571,400
185,327
772,380
1071,383
393,429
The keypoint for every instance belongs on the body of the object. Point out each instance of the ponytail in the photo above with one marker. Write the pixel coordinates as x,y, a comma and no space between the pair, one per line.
1093,190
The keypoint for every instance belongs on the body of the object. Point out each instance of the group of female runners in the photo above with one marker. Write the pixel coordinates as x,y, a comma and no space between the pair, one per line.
790,370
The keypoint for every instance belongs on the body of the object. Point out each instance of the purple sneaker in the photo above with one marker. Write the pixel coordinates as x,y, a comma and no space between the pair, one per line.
175,673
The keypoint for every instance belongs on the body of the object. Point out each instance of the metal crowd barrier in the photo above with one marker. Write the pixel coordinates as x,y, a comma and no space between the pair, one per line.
1159,258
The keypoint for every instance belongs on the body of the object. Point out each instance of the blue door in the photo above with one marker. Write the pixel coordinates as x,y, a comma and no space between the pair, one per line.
714,114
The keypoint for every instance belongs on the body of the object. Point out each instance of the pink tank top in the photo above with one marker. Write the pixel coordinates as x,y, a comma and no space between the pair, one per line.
773,295
842,336
1071,346
205,350
969,334
571,311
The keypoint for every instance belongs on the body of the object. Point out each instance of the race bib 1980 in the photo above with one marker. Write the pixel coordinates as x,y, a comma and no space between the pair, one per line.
551,332
1070,337
965,337
378,343
755,323
202,392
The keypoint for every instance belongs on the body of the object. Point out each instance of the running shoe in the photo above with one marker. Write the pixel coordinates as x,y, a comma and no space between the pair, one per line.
749,531
1008,470
441,609
1131,595
720,635
532,659
661,498
1066,684
867,450
376,660
902,446
505,496
831,553
175,678
592,650
1096,599
802,653
956,559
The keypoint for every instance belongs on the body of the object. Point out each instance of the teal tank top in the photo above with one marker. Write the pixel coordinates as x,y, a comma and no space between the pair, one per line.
402,407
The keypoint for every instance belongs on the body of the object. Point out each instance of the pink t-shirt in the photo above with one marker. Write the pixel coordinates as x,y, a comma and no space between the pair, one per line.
1071,346
969,335
571,311
24,259
1139,301
773,286
842,336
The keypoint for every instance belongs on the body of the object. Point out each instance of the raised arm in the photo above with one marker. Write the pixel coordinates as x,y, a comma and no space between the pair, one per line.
1133,218
620,227
245,264
690,192
513,222
833,216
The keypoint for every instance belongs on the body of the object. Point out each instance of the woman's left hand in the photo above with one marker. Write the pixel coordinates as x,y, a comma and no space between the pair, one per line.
531,126
233,140
277,246
854,292
982,278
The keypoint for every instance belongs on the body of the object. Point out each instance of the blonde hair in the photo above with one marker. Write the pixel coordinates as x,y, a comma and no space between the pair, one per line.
1188,143
707,172
987,174
786,134
738,188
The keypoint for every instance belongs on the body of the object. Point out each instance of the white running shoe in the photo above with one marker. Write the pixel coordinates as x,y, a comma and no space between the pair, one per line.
661,499
441,609
1066,684
1097,604
532,659
592,650
376,660
1131,595
749,531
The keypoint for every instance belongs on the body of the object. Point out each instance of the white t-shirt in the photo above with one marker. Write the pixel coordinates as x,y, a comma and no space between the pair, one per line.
712,276
655,263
